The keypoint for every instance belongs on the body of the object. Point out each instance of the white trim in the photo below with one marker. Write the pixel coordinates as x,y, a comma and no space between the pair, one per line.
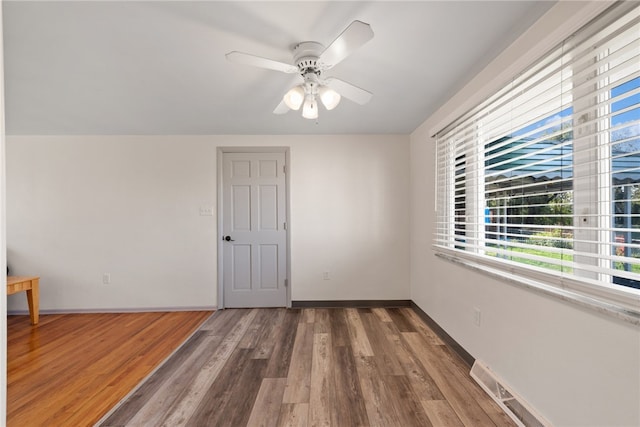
270,149
3,241
561,21
287,184
630,312
219,248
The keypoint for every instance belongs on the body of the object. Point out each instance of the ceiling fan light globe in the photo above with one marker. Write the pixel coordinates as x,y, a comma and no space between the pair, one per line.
329,97
310,109
294,98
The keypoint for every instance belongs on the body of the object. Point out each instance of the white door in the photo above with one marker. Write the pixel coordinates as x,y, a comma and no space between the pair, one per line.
254,230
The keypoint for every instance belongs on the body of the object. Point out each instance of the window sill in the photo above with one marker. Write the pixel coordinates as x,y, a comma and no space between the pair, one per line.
625,313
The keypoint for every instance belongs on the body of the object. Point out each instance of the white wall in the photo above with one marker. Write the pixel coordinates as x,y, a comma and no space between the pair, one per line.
81,206
575,366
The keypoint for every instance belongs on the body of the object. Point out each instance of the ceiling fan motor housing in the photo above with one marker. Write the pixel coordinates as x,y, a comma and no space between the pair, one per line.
306,57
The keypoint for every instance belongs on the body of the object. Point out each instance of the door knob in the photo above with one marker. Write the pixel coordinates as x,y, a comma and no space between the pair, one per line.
228,239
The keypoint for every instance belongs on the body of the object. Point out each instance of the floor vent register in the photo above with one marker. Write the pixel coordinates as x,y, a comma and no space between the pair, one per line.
511,403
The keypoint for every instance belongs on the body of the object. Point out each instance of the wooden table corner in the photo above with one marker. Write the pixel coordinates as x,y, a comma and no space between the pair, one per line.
31,285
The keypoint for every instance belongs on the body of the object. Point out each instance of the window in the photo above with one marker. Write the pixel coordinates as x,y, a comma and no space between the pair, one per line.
625,179
543,178
529,194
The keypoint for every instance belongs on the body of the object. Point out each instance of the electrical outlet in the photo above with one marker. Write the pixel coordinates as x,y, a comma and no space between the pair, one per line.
476,316
106,278
325,275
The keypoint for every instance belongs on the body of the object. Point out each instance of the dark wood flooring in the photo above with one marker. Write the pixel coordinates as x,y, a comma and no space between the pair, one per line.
311,367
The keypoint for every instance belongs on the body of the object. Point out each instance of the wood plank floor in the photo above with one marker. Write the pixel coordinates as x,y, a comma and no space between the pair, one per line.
311,367
71,369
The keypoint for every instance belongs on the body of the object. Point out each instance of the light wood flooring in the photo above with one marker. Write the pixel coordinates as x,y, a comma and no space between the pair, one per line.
311,367
71,369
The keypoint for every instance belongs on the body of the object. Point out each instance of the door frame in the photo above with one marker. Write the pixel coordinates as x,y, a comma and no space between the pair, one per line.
219,197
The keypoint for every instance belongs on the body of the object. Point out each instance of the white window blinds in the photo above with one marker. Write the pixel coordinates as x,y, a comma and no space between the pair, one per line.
544,176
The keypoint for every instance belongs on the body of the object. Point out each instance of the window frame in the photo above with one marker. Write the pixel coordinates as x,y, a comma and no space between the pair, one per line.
610,297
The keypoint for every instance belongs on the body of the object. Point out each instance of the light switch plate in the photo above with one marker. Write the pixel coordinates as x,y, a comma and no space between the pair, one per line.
206,211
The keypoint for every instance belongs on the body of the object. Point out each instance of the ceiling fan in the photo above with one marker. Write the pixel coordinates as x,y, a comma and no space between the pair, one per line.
310,60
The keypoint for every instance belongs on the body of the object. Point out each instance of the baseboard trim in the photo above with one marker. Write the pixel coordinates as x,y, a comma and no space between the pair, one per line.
351,303
444,336
113,310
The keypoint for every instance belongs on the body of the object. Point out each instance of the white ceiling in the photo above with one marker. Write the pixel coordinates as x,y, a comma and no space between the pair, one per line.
157,67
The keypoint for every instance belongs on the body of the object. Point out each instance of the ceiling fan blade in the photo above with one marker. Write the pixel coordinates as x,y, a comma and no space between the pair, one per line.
258,61
349,91
354,36
281,108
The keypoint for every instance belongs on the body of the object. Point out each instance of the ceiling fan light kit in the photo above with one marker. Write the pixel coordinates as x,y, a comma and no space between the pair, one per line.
329,97
311,59
310,109
294,98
